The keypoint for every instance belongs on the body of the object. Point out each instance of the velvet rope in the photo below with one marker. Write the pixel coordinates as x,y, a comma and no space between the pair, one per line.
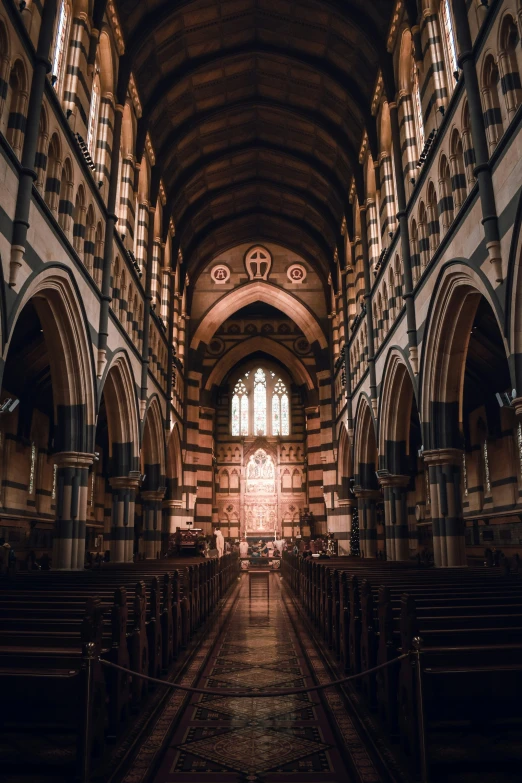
253,694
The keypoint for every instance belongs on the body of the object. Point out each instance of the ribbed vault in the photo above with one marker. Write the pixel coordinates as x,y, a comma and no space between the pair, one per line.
257,109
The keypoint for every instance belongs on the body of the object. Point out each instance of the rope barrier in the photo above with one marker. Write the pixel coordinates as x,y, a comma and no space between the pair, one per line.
253,694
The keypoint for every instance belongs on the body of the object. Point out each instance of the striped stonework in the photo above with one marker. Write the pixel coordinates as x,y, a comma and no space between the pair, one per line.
396,516
72,489
374,247
444,466
388,207
433,90
315,465
121,537
104,139
126,214
409,151
358,278
142,233
329,465
78,78
152,517
156,274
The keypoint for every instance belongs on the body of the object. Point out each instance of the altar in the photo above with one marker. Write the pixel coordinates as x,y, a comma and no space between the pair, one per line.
260,504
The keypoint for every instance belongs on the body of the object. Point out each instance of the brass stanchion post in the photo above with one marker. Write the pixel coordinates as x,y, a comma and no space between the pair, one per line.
89,651
417,646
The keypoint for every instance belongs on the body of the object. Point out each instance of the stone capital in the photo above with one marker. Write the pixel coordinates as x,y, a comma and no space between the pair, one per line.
73,459
367,494
442,457
153,495
124,482
172,504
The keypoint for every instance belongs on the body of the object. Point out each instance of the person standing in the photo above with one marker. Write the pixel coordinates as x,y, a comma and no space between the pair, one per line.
243,548
220,543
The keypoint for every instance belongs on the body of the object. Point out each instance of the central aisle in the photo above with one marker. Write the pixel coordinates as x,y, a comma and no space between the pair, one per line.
286,738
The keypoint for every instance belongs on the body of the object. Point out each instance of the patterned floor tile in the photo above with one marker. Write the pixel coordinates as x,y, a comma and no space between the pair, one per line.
253,749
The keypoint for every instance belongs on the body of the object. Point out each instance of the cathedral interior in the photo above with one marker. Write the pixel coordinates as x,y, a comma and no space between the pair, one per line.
260,391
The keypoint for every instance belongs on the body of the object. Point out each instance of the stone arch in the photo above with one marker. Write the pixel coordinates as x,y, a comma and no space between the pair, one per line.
365,455
254,344
174,470
448,329
153,442
395,405
63,319
119,389
258,292
344,464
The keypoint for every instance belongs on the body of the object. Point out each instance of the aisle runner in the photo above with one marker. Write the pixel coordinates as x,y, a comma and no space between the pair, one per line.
252,739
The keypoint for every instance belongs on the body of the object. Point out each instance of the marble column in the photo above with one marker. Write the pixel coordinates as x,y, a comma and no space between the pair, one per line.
121,538
396,516
444,466
72,490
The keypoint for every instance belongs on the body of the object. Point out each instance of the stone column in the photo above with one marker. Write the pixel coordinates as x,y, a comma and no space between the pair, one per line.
72,490
152,517
121,537
30,144
367,500
444,466
396,516
483,172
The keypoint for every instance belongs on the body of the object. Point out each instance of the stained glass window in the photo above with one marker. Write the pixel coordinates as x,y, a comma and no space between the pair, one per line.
240,409
93,114
59,43
417,105
449,37
260,402
280,410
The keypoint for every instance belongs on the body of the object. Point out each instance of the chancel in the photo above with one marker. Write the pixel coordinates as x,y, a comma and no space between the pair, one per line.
260,391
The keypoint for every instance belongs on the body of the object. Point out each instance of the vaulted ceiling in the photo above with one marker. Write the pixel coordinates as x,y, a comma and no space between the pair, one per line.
256,110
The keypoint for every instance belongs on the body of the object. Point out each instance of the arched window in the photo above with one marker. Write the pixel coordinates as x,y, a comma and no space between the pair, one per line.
260,402
17,95
491,95
446,206
450,47
433,218
417,106
280,410
60,45
54,169
94,112
458,173
240,409
507,58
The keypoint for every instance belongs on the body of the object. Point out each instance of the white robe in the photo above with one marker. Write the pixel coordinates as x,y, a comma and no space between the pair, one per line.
220,543
243,549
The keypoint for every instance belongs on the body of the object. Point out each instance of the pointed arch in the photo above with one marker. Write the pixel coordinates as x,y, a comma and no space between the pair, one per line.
271,347
121,400
63,318
258,292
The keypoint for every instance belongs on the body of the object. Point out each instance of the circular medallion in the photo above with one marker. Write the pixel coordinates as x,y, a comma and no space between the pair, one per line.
302,346
296,273
220,274
216,346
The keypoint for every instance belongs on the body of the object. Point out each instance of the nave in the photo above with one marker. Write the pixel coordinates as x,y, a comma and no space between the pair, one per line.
261,647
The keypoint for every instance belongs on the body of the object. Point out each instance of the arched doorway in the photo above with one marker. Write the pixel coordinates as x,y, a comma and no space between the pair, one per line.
473,454
366,488
116,470
46,432
401,470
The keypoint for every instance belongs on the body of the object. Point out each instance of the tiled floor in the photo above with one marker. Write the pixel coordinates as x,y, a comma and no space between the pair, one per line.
287,738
